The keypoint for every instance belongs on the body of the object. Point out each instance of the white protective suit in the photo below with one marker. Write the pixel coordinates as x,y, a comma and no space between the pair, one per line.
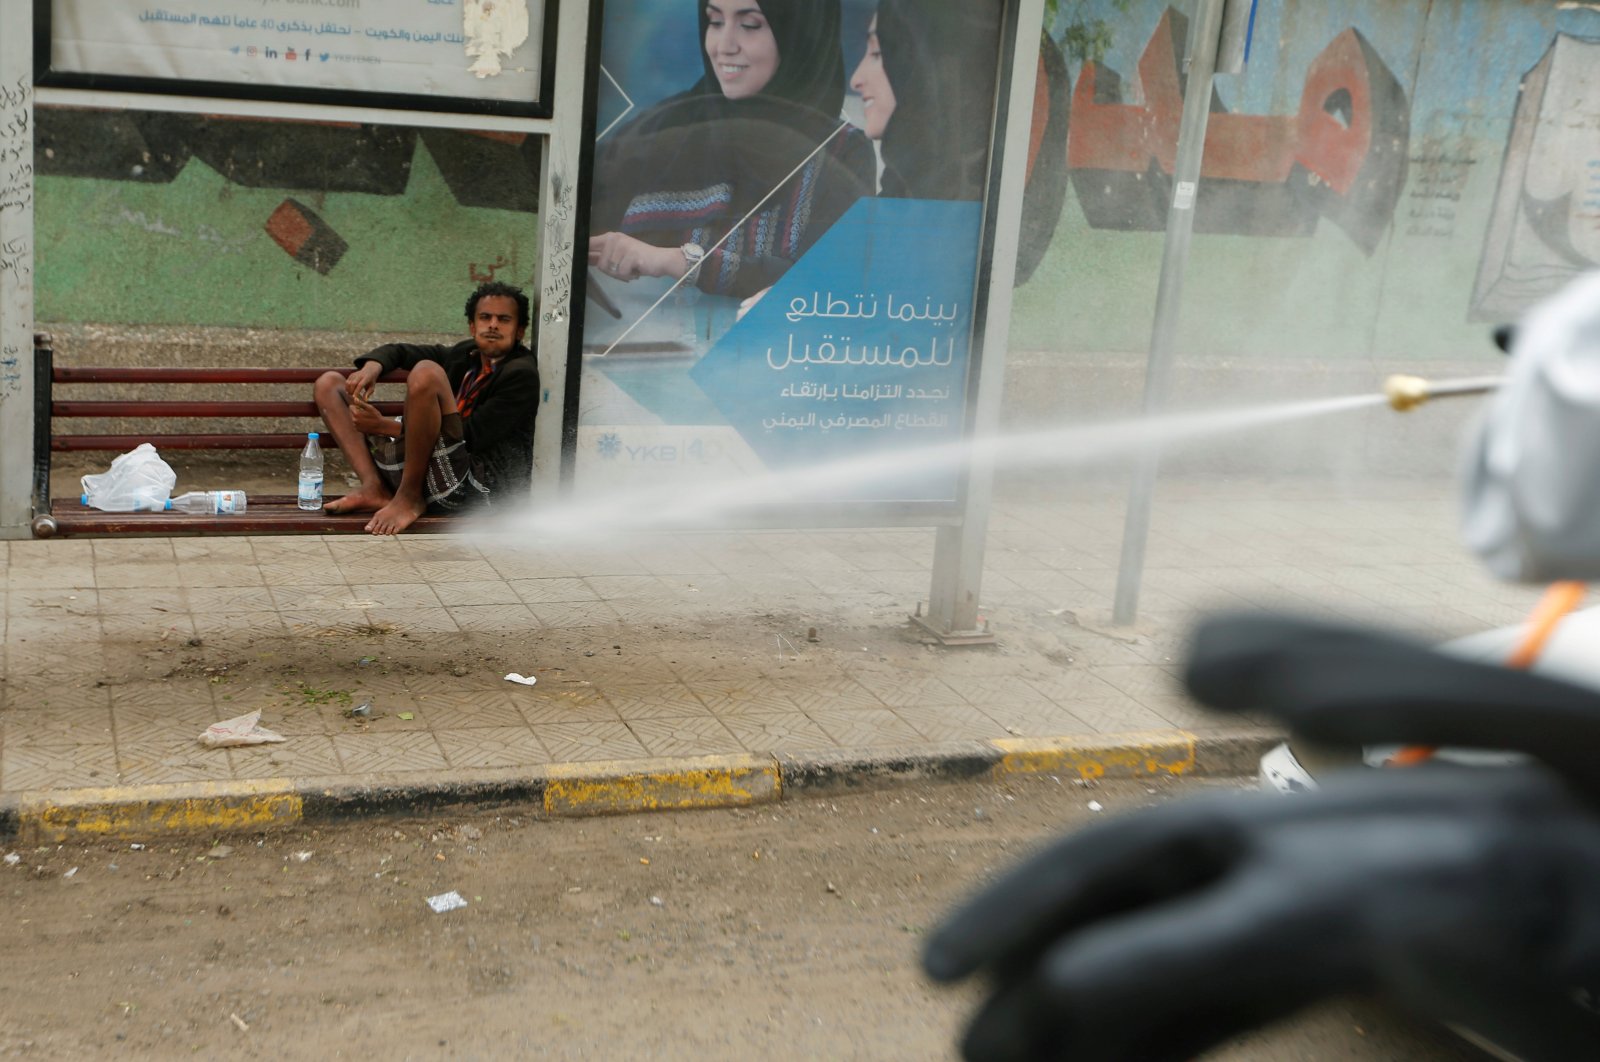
1531,486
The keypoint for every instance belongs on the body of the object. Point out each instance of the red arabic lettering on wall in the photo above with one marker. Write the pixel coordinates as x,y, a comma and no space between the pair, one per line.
1341,156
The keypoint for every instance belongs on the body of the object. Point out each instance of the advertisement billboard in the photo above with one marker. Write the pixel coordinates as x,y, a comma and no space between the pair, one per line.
784,236
475,55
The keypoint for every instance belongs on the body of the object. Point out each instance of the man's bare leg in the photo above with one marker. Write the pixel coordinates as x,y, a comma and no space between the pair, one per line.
428,399
374,493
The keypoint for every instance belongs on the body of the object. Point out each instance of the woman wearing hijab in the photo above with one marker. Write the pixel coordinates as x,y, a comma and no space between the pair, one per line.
744,140
927,82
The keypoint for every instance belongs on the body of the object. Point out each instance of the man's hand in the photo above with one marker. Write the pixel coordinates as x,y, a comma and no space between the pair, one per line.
626,258
369,421
1472,895
362,382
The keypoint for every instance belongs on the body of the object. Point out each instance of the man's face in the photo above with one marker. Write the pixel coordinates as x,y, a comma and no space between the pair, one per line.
494,325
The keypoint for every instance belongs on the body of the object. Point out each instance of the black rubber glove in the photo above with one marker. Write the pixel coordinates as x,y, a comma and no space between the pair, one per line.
1348,686
1471,895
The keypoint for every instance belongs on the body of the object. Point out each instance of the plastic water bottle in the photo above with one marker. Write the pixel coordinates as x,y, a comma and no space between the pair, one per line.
311,474
136,502
208,502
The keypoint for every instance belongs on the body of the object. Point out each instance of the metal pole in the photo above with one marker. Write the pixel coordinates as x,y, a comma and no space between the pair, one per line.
958,550
16,267
1201,65
558,221
44,363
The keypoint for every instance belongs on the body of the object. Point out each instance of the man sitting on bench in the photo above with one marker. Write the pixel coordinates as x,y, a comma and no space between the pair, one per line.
467,431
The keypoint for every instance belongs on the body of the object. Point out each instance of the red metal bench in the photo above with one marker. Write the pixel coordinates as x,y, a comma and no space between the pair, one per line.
266,514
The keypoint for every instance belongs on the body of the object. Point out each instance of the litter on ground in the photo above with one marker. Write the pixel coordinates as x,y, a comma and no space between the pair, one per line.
240,730
446,901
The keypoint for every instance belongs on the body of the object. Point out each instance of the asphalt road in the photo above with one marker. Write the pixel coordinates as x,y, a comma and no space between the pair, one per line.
787,932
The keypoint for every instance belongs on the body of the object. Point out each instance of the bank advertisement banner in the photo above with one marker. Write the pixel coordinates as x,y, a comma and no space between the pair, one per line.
785,227
470,49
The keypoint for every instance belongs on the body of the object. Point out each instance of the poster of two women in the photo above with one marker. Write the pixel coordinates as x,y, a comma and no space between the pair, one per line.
784,229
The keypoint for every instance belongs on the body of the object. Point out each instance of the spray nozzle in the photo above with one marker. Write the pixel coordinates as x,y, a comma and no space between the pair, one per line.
1405,392
1408,392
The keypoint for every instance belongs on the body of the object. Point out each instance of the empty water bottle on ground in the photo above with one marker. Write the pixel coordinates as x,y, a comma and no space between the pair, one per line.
311,473
209,502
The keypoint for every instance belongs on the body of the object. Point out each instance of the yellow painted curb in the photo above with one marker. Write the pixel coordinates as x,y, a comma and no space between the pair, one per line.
1136,755
608,788
197,807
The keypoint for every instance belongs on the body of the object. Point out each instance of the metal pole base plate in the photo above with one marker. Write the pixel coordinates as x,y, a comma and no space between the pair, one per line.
977,637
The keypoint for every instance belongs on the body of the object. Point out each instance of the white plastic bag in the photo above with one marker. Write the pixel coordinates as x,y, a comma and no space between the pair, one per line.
240,730
138,480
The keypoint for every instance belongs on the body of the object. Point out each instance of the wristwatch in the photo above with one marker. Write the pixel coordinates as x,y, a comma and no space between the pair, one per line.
693,254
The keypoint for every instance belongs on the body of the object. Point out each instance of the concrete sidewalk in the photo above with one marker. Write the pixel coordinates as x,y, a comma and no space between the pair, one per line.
670,647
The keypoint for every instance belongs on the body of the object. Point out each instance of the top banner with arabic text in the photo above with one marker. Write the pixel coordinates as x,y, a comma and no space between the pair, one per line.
457,49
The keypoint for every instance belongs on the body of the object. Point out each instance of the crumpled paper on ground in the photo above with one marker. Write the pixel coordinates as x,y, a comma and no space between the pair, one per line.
526,680
447,901
241,730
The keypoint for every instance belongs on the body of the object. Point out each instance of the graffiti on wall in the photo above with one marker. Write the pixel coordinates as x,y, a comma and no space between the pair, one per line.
1544,227
1342,155
1441,169
481,169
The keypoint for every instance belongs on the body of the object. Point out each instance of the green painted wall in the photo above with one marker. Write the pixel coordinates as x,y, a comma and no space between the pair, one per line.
196,251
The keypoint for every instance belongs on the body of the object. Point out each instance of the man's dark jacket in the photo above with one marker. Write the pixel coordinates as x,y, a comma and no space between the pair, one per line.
500,429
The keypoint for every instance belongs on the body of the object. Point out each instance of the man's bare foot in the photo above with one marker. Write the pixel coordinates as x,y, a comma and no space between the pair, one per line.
360,500
395,517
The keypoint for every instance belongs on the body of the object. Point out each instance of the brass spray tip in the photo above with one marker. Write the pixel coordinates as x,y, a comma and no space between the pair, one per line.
1405,392
1408,392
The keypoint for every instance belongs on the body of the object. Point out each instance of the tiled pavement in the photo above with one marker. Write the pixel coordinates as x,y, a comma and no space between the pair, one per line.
119,653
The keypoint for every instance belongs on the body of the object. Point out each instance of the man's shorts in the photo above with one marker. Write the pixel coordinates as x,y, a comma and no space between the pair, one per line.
450,484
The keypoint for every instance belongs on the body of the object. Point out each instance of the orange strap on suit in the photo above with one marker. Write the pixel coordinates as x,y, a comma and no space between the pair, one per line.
1560,599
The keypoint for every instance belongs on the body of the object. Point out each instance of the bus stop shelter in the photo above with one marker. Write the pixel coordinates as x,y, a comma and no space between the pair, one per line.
768,388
